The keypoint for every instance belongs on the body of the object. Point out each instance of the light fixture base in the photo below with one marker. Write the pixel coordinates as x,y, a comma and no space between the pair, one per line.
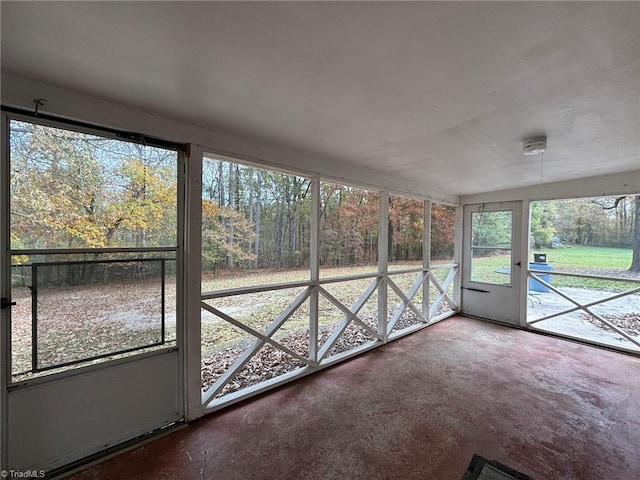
534,145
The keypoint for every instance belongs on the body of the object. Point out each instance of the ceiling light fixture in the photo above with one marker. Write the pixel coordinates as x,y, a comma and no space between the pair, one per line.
534,146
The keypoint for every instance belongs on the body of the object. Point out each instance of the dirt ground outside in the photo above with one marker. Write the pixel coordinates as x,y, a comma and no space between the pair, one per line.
75,323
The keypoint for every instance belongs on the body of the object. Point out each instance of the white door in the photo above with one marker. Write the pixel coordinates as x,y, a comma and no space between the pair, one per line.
492,261
91,250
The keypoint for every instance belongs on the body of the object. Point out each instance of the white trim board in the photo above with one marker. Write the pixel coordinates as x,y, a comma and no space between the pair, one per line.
603,185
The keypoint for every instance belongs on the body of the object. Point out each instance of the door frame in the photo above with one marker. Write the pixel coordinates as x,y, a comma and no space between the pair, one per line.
5,292
115,383
493,301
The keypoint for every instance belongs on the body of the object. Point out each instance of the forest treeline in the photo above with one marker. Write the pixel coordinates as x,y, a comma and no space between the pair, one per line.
77,190
612,221
597,222
601,222
262,218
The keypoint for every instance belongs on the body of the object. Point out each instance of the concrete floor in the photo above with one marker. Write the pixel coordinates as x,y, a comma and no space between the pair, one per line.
419,408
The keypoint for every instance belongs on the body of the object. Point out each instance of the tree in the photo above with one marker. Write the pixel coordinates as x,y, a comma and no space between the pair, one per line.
542,229
141,204
406,220
619,206
219,225
55,184
443,218
256,214
491,229
74,190
349,225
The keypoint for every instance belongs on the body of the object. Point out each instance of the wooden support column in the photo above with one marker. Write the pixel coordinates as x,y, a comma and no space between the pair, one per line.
383,252
525,228
191,283
426,257
5,292
315,270
457,256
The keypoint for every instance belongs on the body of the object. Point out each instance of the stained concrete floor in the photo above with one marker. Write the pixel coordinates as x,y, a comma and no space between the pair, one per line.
419,408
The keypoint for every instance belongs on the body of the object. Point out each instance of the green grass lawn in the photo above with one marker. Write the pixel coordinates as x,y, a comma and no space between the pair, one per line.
587,260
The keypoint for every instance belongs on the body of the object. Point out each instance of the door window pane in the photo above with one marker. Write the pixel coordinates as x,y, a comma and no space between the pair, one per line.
95,195
78,190
491,247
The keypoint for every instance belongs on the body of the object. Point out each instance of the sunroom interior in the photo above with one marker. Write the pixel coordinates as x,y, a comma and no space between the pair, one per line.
205,204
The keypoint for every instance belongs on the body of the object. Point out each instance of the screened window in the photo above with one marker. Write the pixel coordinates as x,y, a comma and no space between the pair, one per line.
256,225
405,233
348,230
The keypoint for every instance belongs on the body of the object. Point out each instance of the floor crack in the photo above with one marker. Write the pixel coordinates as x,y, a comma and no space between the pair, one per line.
203,471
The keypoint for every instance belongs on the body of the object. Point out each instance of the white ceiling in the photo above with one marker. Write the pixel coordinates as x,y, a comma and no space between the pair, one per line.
442,93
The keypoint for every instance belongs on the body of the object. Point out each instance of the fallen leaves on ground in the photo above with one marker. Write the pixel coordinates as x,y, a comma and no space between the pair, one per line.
270,362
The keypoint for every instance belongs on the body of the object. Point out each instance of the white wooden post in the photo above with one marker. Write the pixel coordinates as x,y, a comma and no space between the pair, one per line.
191,284
383,252
457,256
525,228
315,269
5,292
426,257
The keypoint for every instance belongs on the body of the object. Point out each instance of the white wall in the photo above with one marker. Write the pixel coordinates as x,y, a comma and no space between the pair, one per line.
20,93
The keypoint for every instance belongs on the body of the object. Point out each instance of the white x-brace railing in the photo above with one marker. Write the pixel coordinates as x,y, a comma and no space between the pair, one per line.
586,307
319,355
